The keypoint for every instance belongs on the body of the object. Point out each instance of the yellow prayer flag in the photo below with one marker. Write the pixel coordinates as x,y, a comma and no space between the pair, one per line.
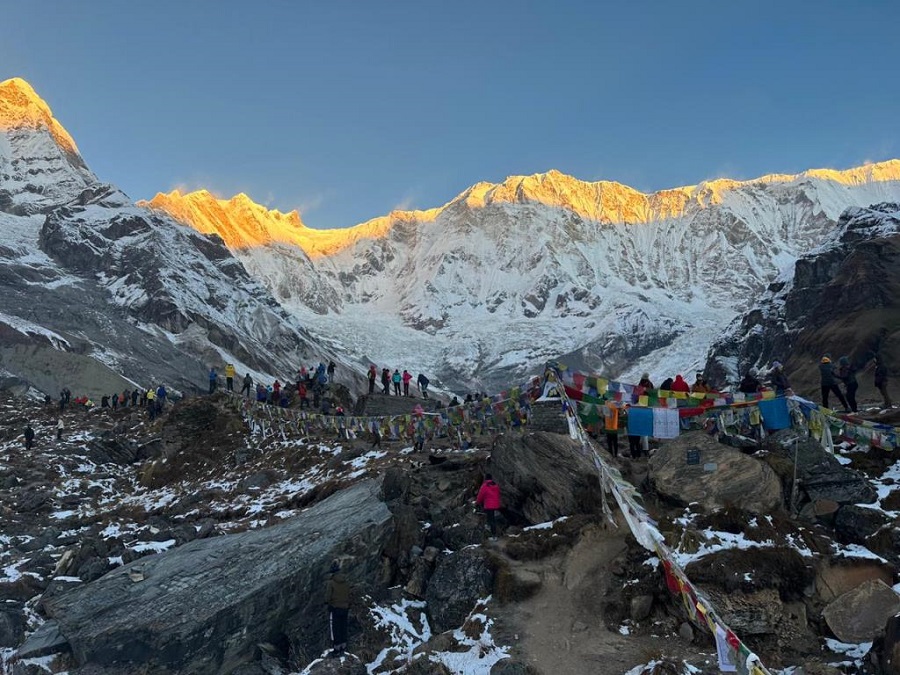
644,400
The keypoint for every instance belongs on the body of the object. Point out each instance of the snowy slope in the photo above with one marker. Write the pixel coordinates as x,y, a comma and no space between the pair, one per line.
505,276
138,292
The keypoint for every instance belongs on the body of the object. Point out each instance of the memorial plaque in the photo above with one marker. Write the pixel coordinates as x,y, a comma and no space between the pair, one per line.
693,456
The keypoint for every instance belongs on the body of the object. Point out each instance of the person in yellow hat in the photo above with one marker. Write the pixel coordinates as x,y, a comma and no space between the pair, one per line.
829,383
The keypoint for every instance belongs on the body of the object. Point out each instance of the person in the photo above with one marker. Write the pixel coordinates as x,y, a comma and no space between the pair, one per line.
846,373
337,598
680,384
213,380
301,393
700,385
826,374
376,437
468,399
749,384
276,390
635,446
778,379
60,427
453,402
611,426
385,381
29,436
489,499
135,395
62,401
104,401
666,384
372,375
881,380
407,378
331,368
422,384
229,376
395,378
151,404
115,401
645,381
248,385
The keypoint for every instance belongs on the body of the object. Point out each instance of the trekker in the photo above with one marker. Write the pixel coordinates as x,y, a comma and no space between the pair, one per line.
213,380
489,499
135,395
778,379
248,385
372,375
104,401
422,384
229,376
750,384
151,404
331,368
115,401
62,401
680,385
611,425
337,597
453,402
645,381
881,379
376,438
846,373
29,436
667,384
395,378
700,386
60,427
826,373
407,378
385,381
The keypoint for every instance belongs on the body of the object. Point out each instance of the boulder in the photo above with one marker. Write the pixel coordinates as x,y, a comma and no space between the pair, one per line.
459,580
737,479
820,474
203,607
839,575
860,615
12,625
854,524
890,649
543,476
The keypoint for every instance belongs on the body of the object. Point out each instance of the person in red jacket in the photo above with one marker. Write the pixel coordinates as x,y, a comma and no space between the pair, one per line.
406,379
489,499
680,385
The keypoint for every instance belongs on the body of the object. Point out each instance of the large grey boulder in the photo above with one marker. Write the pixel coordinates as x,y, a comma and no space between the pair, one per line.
458,582
820,474
860,615
723,477
202,607
543,476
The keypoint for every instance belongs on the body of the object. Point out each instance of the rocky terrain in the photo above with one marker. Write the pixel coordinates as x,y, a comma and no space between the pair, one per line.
199,543
841,300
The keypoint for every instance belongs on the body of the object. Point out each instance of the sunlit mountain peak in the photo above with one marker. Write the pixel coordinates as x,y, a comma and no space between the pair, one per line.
21,107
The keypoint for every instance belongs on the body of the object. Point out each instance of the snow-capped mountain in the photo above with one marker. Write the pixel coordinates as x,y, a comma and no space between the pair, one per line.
96,287
505,276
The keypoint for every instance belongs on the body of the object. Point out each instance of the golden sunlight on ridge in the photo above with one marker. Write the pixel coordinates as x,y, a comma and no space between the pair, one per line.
21,107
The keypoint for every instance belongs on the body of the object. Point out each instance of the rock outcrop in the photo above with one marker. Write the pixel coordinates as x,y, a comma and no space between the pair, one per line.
723,477
202,608
860,615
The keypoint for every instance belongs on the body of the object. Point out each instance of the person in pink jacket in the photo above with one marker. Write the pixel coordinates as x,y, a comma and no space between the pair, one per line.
489,499
406,378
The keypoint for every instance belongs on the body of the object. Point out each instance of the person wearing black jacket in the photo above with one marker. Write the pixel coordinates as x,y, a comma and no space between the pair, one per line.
846,373
29,436
826,373
749,385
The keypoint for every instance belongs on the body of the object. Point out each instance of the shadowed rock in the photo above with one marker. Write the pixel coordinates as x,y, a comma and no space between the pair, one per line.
203,607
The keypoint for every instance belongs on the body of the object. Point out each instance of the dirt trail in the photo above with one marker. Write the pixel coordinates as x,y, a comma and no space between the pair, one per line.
560,630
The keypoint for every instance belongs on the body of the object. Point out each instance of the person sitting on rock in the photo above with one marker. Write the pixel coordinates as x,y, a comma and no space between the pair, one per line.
750,383
337,598
453,402
489,499
680,385
778,379
667,384
645,382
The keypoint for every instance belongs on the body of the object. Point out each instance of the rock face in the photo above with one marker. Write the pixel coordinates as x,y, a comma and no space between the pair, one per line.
543,476
860,615
842,300
203,607
459,581
821,476
737,479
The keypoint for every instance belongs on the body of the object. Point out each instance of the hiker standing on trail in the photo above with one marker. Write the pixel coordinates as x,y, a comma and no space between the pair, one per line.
29,436
395,378
846,373
489,499
135,395
151,404
337,597
248,384
213,380
372,375
385,381
826,373
881,379
611,425
229,376
422,384
330,371
60,427
407,378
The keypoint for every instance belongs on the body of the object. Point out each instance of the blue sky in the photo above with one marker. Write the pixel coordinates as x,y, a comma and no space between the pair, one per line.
346,110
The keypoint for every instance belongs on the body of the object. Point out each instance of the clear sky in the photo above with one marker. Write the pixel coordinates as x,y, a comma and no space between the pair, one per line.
347,110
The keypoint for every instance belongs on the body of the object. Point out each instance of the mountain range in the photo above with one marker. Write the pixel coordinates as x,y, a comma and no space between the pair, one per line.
477,293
